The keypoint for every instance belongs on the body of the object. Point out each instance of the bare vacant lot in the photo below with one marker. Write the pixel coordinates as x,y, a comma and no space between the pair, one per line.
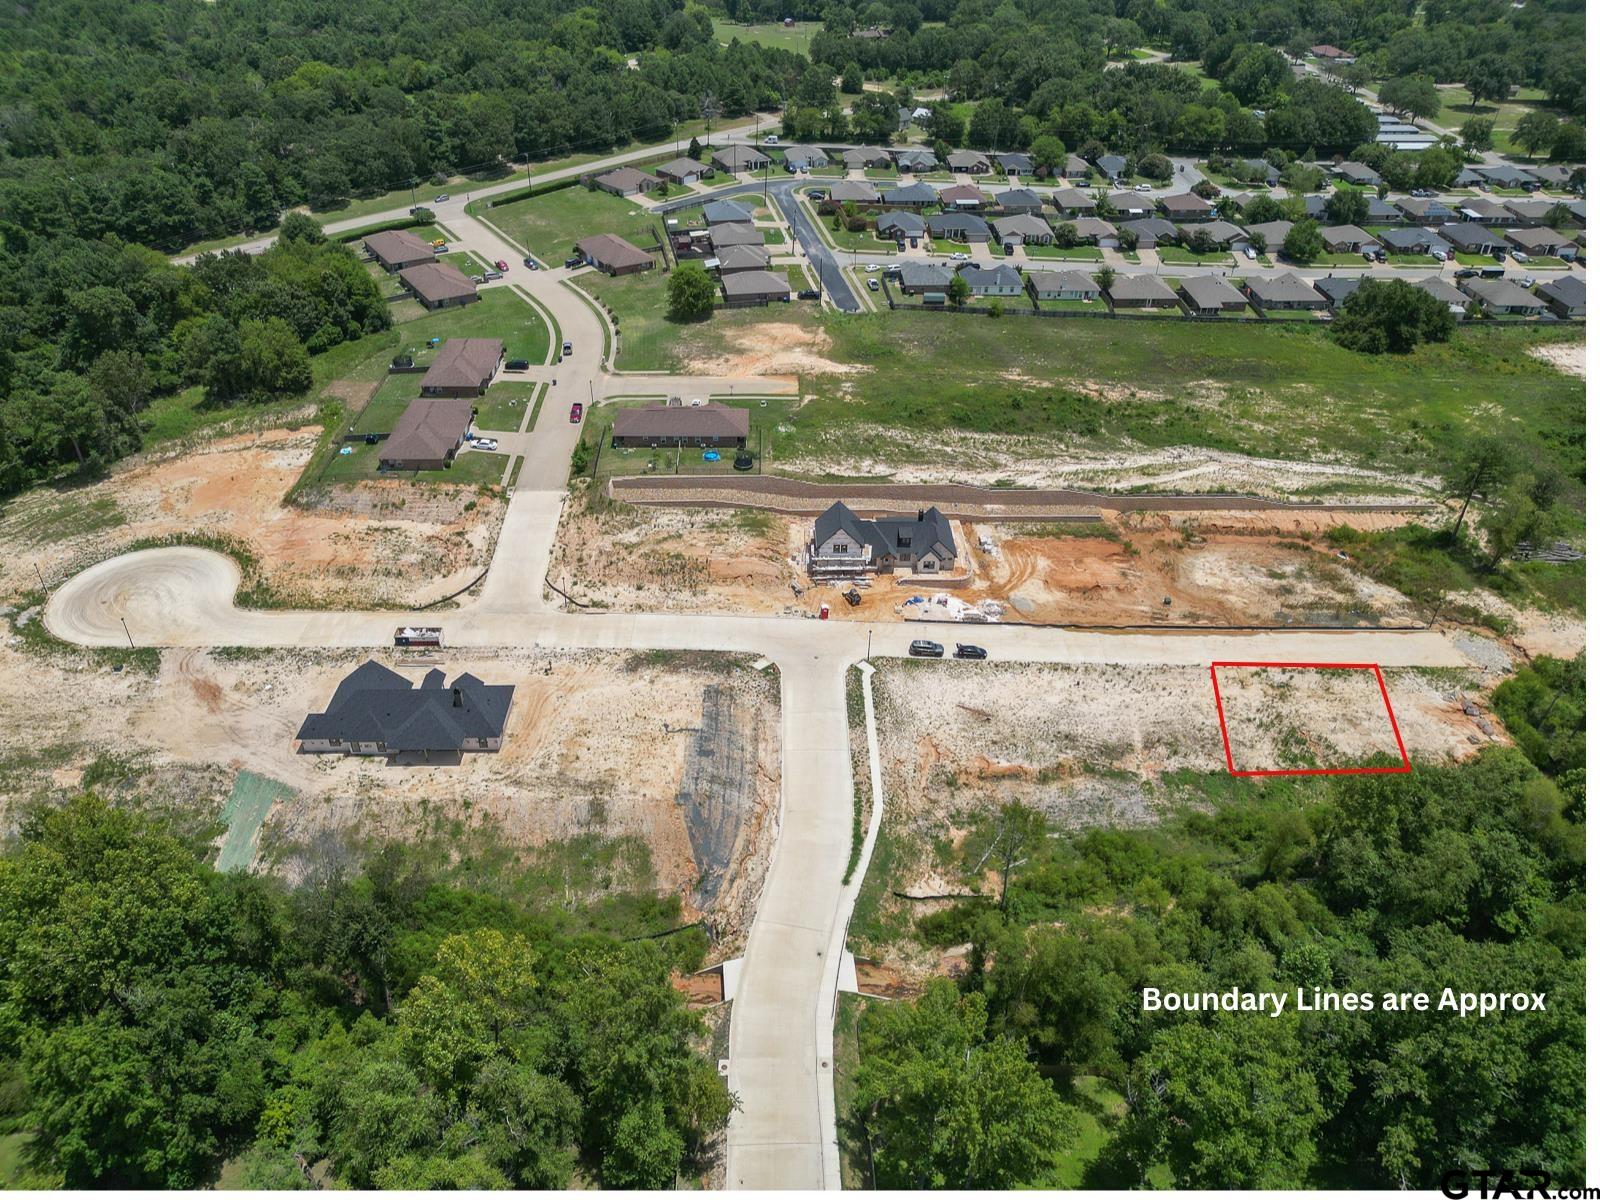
677,753
1298,718
376,543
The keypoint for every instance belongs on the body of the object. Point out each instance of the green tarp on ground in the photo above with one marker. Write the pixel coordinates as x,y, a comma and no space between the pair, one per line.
246,808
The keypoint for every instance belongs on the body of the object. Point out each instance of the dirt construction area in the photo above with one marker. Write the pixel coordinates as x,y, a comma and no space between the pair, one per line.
1105,745
384,543
677,753
1245,568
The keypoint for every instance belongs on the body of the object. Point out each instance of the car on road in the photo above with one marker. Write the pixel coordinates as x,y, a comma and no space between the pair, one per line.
926,649
770,140
531,263
1467,273
575,413
441,197
566,348
500,264
963,650
1142,187
1423,193
516,364
960,258
483,443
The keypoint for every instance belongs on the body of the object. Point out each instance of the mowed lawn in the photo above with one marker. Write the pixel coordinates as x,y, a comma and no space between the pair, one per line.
795,38
1265,389
550,224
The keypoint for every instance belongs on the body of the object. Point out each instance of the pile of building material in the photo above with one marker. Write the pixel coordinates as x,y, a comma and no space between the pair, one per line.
941,606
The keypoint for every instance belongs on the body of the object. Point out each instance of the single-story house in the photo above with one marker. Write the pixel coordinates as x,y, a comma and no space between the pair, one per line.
1063,285
1532,212
463,367
754,287
733,159
1093,229
959,227
1211,294
1506,176
626,181
1381,212
1072,201
732,259
862,157
438,285
1152,231
1285,291
844,544
1348,239
1186,206
1467,177
855,191
1546,242
1019,200
1332,54
912,195
1014,162
1472,239
1077,169
1410,239
734,233
1272,232
902,226
1001,280
1485,212
1129,205
1425,210
967,162
1358,173
726,212
609,253
1112,166
681,170
962,195
1316,206
1024,228
1337,288
1260,168
916,160
678,424
1142,291
1554,175
1440,290
805,156
397,249
1223,233
1502,297
376,711
1564,294
920,278
426,436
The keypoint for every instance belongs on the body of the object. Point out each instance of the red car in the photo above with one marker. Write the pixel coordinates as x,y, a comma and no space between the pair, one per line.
500,265
576,414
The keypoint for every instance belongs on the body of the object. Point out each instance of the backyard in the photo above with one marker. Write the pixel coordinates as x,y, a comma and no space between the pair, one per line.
549,225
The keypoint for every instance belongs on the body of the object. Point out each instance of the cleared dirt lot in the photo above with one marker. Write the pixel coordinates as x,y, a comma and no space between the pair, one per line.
380,543
600,744
1136,568
1100,745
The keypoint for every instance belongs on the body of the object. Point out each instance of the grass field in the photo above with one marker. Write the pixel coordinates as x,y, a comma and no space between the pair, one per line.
502,407
549,225
766,414
796,38
1180,255
1088,254
1455,106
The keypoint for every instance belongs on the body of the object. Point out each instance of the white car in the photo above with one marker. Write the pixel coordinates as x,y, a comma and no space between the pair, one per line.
871,267
961,258
441,197
1143,187
1250,252
770,140
483,443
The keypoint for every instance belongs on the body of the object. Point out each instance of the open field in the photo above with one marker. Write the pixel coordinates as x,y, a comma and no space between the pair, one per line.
796,38
1455,106
550,224
578,767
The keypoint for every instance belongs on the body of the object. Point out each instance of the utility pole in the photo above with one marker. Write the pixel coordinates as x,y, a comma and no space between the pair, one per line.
42,585
124,621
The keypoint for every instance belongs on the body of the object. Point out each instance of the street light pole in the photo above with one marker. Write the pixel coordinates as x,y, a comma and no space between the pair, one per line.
124,621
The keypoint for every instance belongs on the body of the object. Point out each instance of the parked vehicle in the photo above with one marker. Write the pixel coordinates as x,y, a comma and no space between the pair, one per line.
1250,253
500,264
441,197
516,364
872,285
437,243
575,414
816,194
1467,273
566,348
925,649
966,651
810,294
574,261
483,443
492,275
477,279
419,635
870,268
1518,256
1493,272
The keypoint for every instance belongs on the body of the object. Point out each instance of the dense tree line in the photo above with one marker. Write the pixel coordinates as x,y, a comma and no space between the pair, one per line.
91,330
1468,877
371,1028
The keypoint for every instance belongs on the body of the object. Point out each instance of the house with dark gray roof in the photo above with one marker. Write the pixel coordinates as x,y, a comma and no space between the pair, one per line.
1485,212
1223,233
1358,173
426,436
732,259
1565,295
733,159
1129,205
1152,231
806,156
1077,169
678,424
1023,229
916,159
1472,239
1093,229
1337,288
376,711
754,287
1210,295
735,233
724,212
1014,162
1440,290
1063,285
967,162
1467,177
1409,239
1381,212
1543,242
1019,200
922,278
1425,210
912,195
1348,239
1001,280
1316,206
1072,201
1272,233
1112,166
902,226
1501,297
1142,291
860,158
1285,291
1505,176
959,227
855,191
681,170
844,544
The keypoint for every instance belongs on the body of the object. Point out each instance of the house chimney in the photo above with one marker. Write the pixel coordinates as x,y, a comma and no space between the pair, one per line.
921,512
455,697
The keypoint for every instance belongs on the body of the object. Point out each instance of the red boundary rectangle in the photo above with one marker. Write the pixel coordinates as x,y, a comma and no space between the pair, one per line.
1377,671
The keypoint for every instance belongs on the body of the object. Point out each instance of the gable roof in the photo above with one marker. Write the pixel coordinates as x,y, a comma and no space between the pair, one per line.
681,166
912,193
374,704
739,158
743,258
855,190
1014,160
397,245
1440,290
464,362
1209,291
1288,287
438,281
1155,227
1568,290
1092,227
719,211
427,430
755,283
1466,233
962,193
1022,225
1072,198
734,233
1221,232
968,223
966,158
1064,281
918,157
1408,236
1527,239
628,179
1502,293
1186,202
928,530
1337,288
1000,275
810,155
712,419
1020,198
610,250
909,223
925,275
1141,287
